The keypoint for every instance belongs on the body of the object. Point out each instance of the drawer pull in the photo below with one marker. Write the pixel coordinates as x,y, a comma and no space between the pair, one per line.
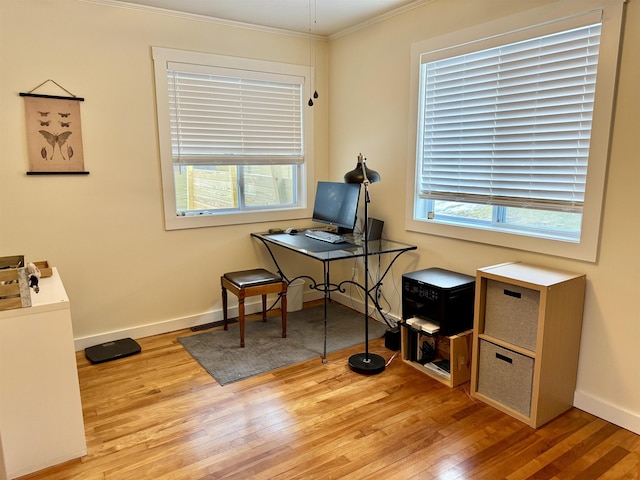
512,293
504,358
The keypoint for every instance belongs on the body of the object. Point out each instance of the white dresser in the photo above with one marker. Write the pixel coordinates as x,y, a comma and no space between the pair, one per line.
41,420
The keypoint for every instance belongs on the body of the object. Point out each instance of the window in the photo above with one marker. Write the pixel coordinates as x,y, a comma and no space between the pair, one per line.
512,132
234,136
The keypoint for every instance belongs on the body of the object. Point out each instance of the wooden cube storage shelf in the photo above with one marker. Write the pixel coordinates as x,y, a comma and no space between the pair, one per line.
455,348
526,340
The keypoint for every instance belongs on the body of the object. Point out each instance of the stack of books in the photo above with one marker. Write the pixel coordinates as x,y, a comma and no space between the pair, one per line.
441,367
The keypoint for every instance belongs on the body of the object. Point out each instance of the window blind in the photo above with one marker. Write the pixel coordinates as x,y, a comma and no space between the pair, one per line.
232,118
510,125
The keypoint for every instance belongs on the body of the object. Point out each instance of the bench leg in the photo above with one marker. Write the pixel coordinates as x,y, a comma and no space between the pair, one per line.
224,307
264,308
283,307
241,320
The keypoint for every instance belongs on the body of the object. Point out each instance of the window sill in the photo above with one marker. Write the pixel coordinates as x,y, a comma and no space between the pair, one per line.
585,250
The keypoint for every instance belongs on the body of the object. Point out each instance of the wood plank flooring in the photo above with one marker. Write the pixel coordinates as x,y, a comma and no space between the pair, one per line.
159,415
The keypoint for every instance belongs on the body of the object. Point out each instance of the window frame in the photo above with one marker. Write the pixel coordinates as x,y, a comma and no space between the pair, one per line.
537,22
162,58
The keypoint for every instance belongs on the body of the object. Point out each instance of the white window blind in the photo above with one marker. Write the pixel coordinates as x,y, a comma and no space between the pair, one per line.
510,125
235,117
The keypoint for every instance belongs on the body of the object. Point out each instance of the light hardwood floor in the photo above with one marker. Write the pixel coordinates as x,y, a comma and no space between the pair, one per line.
159,415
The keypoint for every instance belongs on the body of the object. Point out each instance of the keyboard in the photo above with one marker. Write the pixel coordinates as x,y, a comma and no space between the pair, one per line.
325,236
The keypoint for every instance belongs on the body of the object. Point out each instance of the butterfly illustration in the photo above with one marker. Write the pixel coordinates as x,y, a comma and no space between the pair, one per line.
43,114
64,115
65,124
54,140
44,124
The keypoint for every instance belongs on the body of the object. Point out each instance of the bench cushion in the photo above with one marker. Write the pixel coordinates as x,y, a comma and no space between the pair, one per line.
250,278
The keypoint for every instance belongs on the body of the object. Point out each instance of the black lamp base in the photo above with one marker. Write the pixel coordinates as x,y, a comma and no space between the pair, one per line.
371,364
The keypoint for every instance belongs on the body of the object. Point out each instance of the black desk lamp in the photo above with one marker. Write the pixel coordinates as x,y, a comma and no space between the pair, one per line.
365,363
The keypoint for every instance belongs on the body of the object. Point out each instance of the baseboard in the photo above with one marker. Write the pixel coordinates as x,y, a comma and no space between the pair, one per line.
252,305
611,413
158,328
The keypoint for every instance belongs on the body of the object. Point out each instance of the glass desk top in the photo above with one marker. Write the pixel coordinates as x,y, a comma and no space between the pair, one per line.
326,252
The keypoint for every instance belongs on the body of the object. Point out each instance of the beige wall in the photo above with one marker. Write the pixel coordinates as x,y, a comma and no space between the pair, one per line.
126,275
105,231
369,83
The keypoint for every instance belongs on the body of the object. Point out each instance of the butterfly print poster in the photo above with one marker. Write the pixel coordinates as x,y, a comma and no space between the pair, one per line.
54,134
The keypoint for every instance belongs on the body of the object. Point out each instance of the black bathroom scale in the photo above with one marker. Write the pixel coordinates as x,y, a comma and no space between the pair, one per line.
112,350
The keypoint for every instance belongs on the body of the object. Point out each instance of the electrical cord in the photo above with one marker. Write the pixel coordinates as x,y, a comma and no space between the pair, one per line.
391,359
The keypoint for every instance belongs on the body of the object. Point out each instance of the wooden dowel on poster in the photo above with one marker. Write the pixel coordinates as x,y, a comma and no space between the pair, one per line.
57,97
57,173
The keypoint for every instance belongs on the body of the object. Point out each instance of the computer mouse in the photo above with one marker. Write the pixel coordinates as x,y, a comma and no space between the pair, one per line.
291,231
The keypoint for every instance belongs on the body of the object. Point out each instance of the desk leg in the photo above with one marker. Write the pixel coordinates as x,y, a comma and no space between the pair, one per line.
326,288
325,267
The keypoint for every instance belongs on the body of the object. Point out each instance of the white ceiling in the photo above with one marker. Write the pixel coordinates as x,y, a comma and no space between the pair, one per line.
321,17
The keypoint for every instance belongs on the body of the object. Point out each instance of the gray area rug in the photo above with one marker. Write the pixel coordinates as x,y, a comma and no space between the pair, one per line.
219,352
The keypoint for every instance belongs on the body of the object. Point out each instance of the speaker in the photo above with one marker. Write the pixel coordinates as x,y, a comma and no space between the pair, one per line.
392,339
374,229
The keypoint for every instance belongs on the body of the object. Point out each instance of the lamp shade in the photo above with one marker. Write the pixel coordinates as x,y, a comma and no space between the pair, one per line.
361,173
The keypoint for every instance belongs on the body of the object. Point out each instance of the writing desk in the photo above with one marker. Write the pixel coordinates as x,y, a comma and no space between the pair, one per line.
330,252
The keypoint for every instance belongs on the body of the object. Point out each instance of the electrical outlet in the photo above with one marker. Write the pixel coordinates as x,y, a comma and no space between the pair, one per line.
354,274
